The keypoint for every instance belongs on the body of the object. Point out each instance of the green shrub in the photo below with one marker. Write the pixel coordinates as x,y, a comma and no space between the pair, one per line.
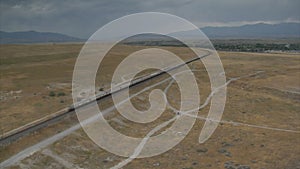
61,94
52,94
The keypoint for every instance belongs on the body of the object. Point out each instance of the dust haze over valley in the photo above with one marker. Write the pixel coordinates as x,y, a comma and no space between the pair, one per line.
40,43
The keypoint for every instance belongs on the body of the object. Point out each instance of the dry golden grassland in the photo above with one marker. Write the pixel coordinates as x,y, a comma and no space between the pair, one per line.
28,74
36,79
271,98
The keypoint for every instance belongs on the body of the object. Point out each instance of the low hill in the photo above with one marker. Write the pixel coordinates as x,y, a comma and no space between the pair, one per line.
34,37
260,30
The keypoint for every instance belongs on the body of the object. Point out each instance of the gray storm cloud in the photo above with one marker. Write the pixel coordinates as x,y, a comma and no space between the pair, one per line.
81,18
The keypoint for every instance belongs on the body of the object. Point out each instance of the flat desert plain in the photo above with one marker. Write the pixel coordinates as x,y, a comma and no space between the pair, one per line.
259,128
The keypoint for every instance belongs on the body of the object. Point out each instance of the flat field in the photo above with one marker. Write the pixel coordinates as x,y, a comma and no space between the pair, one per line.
259,128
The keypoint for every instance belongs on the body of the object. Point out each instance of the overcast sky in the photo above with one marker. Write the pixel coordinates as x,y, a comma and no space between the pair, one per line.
81,18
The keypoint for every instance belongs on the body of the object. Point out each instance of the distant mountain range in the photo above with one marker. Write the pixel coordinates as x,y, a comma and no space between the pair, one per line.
35,37
260,30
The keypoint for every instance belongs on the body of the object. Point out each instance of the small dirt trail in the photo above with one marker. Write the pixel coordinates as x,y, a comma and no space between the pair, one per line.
186,113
